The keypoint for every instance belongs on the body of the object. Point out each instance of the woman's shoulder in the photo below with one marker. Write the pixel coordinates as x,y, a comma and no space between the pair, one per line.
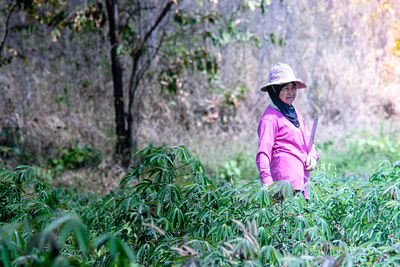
270,111
270,114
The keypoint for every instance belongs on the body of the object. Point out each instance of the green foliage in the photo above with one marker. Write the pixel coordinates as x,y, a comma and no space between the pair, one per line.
207,31
12,145
169,212
53,13
229,171
360,153
75,157
240,169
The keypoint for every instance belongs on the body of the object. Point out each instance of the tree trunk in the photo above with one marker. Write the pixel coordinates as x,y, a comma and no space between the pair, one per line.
126,132
133,85
122,146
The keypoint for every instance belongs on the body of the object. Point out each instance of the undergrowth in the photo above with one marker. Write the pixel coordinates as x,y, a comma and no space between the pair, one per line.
359,153
168,211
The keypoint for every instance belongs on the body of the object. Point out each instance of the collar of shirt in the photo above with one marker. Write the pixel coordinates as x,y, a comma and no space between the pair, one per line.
274,106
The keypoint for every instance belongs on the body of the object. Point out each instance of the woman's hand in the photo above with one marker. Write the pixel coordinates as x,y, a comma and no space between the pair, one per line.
266,186
267,182
311,163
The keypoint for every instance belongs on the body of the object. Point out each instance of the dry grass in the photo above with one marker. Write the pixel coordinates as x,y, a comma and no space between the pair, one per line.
100,179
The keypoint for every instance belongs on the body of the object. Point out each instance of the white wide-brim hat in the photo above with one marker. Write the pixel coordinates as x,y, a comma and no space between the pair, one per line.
282,73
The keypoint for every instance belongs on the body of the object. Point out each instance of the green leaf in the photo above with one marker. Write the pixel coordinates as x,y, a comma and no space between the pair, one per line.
81,236
119,50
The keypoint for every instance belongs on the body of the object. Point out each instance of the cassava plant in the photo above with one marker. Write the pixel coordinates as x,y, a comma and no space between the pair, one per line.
168,211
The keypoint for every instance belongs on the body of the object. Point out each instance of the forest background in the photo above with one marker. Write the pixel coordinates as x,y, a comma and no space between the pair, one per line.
189,73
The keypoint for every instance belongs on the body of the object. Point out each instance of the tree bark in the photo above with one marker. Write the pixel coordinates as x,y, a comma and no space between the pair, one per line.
3,41
122,145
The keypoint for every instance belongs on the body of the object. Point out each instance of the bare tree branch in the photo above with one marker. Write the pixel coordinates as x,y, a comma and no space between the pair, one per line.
6,31
159,19
146,66
137,74
132,13
139,50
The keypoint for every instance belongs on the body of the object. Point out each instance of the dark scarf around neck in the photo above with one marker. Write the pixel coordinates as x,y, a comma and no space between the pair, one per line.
287,110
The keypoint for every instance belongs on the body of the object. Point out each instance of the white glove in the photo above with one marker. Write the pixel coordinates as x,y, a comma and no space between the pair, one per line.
311,163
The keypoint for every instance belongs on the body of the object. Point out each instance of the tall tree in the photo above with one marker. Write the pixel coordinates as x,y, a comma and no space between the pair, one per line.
179,35
125,129
117,74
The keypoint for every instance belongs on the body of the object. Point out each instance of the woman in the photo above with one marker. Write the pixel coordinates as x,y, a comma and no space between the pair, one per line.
283,138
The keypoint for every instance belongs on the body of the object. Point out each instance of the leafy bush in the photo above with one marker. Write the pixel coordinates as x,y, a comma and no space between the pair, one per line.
360,153
169,212
242,168
12,145
229,171
75,157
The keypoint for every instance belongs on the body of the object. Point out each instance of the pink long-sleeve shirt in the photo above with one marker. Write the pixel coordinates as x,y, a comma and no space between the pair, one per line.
282,149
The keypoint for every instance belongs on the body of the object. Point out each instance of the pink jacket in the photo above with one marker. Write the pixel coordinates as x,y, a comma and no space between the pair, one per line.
282,149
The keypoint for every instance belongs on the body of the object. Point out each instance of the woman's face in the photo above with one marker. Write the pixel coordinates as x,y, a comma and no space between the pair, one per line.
288,93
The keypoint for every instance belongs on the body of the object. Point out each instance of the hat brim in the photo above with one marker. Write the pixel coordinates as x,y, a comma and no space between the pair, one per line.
299,84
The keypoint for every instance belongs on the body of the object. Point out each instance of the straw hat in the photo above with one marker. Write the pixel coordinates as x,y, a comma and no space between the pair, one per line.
282,73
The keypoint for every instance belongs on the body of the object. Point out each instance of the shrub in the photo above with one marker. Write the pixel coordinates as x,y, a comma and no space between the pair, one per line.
75,157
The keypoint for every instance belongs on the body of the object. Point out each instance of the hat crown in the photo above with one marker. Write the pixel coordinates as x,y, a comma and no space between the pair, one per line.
281,71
